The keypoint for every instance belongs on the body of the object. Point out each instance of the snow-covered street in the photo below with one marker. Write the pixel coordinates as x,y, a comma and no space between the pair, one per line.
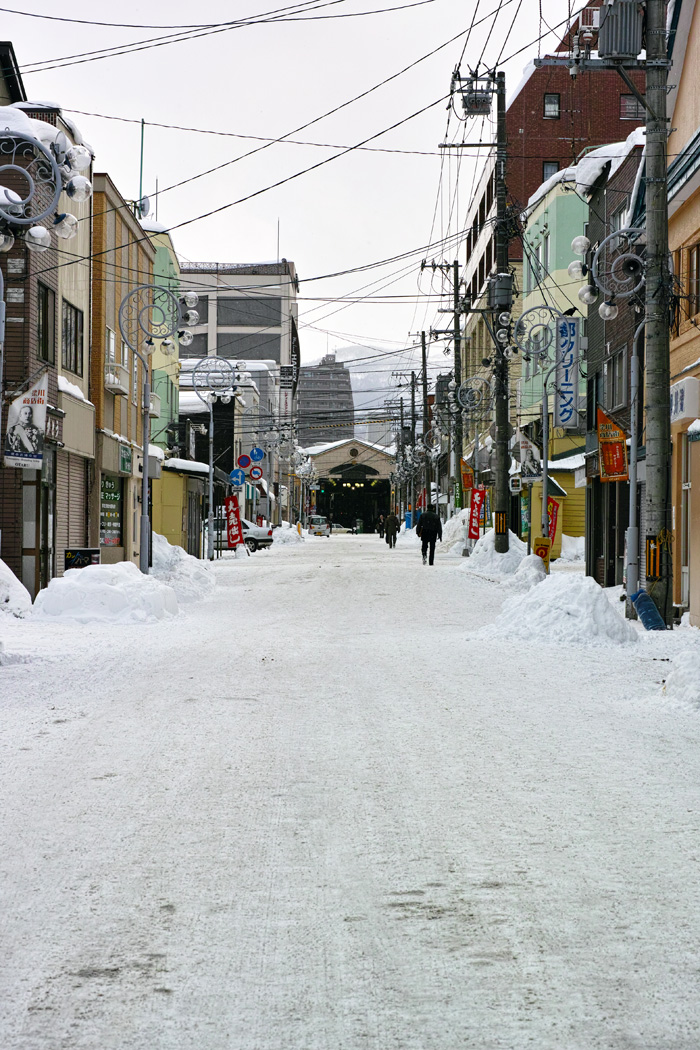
314,811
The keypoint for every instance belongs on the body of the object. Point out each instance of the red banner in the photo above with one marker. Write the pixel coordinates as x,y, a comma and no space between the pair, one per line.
478,497
552,515
234,531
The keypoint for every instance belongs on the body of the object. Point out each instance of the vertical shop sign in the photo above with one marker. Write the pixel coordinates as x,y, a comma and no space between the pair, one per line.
477,506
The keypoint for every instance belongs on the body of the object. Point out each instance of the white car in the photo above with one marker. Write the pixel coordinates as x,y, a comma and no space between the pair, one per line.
319,526
254,536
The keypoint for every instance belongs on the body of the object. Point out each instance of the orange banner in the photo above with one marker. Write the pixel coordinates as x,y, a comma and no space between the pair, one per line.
613,449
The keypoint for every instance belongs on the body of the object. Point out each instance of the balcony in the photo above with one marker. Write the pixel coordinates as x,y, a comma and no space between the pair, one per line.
116,378
154,407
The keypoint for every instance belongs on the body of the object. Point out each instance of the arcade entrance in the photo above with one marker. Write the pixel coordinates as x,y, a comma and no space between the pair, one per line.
354,497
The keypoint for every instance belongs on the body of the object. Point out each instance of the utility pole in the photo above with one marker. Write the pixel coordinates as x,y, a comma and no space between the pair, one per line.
413,444
502,489
657,363
457,436
426,421
402,501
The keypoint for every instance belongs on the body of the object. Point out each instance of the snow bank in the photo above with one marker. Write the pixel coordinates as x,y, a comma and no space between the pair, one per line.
485,559
15,599
683,682
190,578
106,594
573,548
530,572
453,534
407,537
564,609
286,534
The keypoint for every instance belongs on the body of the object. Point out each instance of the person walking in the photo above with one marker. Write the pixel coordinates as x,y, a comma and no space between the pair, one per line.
429,528
392,527
380,526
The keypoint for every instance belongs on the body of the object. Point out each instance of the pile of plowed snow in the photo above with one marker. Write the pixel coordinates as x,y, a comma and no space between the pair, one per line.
190,578
530,572
453,534
286,534
683,682
106,594
15,599
484,558
563,609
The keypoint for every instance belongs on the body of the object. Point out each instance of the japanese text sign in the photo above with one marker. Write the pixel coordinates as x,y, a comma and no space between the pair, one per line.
552,516
566,378
234,531
477,504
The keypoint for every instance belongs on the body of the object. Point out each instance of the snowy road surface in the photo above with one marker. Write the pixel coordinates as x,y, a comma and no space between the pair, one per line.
314,813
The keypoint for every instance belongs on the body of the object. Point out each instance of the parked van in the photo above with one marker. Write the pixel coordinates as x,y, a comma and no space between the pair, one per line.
318,526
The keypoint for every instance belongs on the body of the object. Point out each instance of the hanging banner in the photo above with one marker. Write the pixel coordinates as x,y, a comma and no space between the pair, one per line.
552,516
613,449
234,532
26,427
530,463
467,475
566,376
477,506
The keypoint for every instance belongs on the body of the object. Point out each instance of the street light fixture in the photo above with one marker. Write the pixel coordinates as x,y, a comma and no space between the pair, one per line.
153,312
212,378
41,174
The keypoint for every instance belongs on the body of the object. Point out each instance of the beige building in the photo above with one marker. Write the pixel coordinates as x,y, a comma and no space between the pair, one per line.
123,259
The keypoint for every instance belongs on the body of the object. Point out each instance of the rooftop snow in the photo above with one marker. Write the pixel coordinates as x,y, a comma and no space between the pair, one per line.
590,167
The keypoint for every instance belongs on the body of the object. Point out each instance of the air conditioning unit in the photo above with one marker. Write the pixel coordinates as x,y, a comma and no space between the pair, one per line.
620,32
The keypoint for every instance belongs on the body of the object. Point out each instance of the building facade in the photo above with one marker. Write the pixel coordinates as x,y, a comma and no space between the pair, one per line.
326,405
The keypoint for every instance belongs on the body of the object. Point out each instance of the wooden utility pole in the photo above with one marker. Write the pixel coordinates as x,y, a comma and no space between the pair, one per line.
426,421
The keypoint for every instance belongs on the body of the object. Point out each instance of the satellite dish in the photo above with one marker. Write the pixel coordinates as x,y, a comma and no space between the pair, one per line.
144,207
60,147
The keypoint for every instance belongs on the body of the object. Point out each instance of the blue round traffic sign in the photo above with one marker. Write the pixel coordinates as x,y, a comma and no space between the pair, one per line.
257,454
237,477
243,461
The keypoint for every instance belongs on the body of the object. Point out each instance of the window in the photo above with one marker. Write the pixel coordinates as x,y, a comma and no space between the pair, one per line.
693,301
46,324
72,340
125,354
545,254
617,379
551,107
110,347
549,168
631,108
618,217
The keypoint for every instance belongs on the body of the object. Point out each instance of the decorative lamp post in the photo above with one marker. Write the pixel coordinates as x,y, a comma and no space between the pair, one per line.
39,175
147,313
212,378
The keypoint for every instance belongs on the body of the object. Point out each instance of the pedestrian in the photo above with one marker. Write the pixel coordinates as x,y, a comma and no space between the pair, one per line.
380,526
429,528
391,526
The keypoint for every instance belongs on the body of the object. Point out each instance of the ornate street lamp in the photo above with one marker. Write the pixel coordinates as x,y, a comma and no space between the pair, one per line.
147,313
212,378
39,175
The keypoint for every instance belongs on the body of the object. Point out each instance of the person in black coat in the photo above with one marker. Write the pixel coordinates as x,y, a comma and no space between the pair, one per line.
429,528
391,526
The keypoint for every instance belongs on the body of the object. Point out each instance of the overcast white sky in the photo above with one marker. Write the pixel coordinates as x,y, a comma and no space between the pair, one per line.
267,80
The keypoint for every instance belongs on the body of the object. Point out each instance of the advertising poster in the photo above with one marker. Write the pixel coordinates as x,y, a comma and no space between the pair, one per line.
613,449
566,382
552,516
26,427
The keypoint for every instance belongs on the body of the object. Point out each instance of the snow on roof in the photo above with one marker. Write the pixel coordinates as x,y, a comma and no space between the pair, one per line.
568,462
590,168
564,175
192,465
54,107
191,403
155,452
67,387
151,226
316,450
